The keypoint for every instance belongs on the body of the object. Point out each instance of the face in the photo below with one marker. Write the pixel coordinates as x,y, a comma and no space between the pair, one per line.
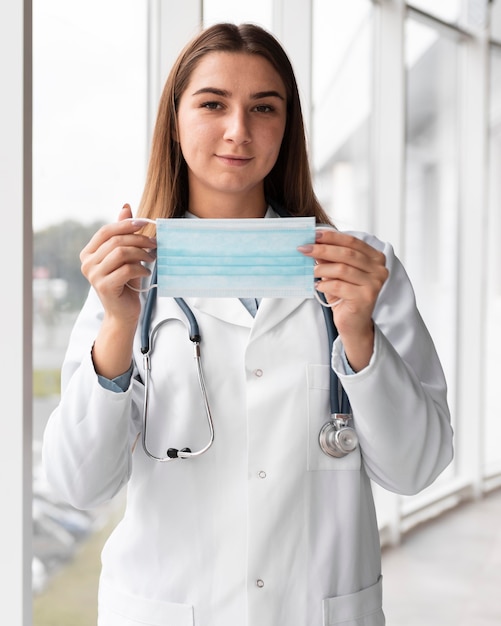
231,121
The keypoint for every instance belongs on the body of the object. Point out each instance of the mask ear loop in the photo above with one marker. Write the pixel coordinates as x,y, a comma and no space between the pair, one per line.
323,301
141,289
329,305
150,287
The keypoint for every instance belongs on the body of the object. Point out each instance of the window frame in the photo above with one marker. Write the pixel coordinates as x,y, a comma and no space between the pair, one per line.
16,366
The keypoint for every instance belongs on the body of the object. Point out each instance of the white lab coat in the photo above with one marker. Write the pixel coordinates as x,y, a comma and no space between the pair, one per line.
264,529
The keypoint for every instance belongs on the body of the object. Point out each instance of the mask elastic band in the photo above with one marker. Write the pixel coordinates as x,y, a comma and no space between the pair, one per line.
329,305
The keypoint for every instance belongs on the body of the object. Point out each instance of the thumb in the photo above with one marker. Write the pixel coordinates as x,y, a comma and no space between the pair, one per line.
125,213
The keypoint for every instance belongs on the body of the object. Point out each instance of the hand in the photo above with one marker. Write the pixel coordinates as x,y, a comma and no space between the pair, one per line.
113,259
351,274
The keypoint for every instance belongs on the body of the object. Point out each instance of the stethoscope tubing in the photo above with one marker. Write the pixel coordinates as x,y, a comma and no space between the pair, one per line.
173,453
339,402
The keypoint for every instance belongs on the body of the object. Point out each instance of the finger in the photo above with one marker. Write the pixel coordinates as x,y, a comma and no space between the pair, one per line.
331,289
334,277
114,282
342,272
325,254
363,290
113,232
336,247
126,224
125,213
110,257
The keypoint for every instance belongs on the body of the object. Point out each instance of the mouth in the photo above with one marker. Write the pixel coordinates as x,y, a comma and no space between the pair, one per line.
234,160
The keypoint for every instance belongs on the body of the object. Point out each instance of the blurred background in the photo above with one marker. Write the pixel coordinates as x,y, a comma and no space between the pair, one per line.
402,102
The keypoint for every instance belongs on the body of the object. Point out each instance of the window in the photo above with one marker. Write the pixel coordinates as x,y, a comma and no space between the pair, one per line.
432,171
492,459
89,157
447,10
495,24
341,88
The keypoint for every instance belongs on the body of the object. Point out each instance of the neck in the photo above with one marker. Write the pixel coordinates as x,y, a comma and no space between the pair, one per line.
226,206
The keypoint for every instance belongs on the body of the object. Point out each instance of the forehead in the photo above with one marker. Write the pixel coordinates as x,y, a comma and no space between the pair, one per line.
236,71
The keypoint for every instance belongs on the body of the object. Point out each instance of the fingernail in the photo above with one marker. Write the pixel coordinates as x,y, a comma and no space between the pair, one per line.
138,221
318,235
306,248
126,206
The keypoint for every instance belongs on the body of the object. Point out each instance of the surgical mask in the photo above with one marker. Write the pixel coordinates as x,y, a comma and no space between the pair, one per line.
255,258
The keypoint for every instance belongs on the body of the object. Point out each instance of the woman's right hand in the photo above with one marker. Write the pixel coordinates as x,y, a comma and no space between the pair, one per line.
113,259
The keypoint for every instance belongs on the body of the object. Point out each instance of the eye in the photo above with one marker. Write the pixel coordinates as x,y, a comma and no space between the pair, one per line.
211,106
264,108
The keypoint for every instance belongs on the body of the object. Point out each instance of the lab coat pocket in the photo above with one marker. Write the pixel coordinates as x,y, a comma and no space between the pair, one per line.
356,609
117,608
318,414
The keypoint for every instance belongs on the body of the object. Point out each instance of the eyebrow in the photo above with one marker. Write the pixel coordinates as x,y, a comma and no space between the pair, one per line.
225,94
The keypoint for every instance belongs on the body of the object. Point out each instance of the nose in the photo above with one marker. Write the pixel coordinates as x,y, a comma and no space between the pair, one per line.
237,127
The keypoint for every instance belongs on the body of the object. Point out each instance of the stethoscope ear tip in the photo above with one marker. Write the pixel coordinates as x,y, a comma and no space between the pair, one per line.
173,453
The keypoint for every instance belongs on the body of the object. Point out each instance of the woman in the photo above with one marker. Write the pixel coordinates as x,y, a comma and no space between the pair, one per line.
264,528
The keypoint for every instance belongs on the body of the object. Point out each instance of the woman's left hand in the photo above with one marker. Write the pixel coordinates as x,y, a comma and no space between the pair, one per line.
351,274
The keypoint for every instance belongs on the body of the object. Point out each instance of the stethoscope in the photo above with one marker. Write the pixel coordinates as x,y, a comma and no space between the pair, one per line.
337,437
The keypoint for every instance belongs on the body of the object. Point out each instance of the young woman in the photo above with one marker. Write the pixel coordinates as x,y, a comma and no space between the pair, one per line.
264,528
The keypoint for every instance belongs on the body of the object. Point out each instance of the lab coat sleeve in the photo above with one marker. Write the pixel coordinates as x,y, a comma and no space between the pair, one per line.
399,401
88,441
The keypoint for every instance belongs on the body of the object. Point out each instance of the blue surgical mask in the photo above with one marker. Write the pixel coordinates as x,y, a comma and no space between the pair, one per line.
255,258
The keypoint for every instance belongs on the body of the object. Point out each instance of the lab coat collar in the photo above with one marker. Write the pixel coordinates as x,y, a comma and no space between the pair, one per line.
229,310
271,311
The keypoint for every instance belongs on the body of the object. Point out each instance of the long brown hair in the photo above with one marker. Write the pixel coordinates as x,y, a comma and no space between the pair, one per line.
288,184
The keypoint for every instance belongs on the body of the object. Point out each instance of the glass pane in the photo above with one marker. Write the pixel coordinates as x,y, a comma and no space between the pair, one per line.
341,86
495,9
89,155
258,12
431,199
447,10
493,286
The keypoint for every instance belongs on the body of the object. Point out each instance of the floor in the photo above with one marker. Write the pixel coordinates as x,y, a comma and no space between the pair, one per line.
448,571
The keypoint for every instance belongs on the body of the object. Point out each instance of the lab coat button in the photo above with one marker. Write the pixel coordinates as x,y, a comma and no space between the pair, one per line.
258,373
262,474
259,583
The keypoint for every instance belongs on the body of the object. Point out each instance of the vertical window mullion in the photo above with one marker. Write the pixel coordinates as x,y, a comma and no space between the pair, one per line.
16,314
472,259
289,19
169,28
388,143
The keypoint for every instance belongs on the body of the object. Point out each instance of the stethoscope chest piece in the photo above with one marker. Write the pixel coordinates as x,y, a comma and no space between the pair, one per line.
337,438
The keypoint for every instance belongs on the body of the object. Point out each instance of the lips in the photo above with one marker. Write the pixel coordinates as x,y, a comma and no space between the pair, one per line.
232,159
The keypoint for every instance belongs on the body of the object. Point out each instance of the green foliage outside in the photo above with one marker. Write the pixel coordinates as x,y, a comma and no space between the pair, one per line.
46,383
71,596
57,249
70,599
